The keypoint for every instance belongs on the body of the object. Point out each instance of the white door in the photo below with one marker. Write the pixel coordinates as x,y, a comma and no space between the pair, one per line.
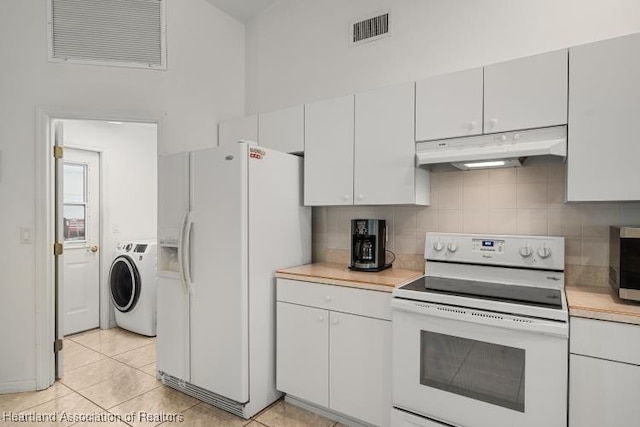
359,367
328,152
217,271
384,154
526,93
449,105
302,354
81,233
282,130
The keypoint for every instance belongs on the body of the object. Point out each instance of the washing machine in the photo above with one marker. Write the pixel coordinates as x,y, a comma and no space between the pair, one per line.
133,282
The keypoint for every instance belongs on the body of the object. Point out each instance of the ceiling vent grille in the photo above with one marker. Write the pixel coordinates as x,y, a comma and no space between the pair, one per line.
129,33
370,29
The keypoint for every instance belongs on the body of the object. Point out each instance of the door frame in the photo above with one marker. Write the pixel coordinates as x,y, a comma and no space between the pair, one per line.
45,270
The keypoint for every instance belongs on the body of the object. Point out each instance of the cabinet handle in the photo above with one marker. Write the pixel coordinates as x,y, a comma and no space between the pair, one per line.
360,196
493,123
320,318
328,298
335,320
472,125
347,197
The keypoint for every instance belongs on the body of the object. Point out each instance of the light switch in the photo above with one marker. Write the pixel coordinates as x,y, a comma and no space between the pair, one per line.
26,235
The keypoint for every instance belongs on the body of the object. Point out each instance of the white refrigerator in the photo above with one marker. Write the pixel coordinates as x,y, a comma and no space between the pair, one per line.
228,217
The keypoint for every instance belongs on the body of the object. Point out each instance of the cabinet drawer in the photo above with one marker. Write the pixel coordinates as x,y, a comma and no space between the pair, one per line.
606,340
337,298
603,393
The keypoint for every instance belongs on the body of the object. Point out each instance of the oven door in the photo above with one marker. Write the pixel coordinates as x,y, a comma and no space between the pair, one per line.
469,367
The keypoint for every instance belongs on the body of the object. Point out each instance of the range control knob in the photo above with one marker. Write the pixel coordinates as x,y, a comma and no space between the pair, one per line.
438,246
544,252
452,247
526,251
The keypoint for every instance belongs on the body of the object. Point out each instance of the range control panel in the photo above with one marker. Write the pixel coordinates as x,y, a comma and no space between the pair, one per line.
487,245
542,252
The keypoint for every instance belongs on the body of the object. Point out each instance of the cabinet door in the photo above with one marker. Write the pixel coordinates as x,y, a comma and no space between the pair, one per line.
603,393
604,100
526,93
449,105
385,171
282,130
328,155
302,341
232,131
360,367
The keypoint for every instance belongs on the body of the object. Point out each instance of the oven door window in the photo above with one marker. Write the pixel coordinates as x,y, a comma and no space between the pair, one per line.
483,371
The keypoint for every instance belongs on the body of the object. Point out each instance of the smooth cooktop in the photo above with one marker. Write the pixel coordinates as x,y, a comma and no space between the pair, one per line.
527,295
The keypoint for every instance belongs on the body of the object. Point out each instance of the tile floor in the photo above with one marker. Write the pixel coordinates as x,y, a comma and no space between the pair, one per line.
112,372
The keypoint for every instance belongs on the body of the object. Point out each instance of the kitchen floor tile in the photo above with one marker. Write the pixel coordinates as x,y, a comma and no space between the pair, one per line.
284,414
139,357
151,405
64,411
76,355
17,402
114,341
94,373
149,369
120,389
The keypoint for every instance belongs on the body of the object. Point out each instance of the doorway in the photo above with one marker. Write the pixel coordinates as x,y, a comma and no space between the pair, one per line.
102,190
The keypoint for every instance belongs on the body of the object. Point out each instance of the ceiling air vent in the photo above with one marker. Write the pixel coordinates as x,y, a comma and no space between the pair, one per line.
370,29
127,33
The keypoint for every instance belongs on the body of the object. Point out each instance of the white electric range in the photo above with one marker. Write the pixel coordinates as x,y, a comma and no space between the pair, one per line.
482,339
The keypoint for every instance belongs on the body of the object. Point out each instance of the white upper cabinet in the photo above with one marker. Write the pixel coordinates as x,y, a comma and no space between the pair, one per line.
282,130
328,157
604,101
384,154
514,95
449,105
232,131
526,93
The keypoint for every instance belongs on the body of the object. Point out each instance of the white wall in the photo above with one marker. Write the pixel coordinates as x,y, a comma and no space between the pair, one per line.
203,84
298,50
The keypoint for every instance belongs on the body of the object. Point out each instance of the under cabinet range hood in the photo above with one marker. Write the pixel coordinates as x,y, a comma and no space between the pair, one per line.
507,149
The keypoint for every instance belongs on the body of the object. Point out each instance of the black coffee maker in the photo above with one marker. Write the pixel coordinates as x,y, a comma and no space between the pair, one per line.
368,245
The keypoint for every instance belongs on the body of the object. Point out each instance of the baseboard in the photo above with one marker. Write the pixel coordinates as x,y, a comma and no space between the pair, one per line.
17,386
325,412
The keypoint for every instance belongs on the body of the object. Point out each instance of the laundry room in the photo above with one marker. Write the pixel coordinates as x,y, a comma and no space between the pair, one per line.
109,201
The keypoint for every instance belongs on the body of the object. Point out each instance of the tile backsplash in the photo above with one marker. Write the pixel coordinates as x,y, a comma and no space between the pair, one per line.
526,200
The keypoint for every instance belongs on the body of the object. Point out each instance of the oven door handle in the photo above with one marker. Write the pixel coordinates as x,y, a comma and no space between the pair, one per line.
480,317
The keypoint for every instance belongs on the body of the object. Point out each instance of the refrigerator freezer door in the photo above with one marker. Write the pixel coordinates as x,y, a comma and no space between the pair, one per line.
219,272
173,328
173,196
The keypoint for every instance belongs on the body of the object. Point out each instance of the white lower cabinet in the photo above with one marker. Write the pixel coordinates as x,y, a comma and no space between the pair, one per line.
334,359
604,376
303,345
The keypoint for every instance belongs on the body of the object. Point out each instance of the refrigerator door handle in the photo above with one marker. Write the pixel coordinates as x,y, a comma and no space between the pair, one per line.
186,254
183,278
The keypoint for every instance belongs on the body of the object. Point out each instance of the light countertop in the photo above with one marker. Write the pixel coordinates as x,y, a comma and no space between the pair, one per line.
339,274
595,302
